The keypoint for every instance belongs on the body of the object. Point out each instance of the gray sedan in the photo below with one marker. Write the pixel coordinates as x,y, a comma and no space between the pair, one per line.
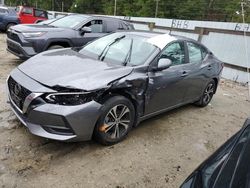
110,85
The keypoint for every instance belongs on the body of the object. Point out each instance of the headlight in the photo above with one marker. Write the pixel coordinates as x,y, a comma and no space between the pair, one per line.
33,34
75,98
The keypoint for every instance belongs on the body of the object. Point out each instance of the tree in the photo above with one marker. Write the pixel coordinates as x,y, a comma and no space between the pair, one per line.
213,10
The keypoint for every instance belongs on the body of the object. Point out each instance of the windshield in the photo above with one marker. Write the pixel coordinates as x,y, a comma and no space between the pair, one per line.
120,48
69,21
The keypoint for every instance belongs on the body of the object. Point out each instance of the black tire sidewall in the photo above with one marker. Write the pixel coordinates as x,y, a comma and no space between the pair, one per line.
102,137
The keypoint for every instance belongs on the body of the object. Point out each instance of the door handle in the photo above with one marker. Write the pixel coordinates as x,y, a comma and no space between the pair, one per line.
184,74
209,67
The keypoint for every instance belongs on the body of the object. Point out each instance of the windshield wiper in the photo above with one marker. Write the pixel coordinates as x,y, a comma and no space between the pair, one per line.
105,50
128,57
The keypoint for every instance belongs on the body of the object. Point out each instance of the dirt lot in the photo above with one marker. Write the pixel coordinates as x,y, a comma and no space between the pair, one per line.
161,152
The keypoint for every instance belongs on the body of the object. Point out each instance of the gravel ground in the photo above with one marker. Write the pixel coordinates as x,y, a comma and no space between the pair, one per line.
161,152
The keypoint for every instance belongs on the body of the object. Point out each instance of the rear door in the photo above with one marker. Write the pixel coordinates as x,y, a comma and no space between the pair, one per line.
196,71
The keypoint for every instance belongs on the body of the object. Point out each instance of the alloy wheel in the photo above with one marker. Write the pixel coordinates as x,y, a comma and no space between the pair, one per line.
116,122
208,94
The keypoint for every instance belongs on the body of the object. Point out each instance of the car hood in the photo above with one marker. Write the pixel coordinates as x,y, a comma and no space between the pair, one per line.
68,68
36,28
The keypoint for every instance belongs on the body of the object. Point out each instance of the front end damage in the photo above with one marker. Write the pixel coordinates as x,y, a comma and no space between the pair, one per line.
66,113
52,120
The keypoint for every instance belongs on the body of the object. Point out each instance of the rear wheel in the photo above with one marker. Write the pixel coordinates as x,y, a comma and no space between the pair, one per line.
207,94
55,47
117,118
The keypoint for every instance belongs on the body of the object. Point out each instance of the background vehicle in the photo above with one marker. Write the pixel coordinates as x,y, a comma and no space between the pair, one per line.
76,30
29,15
228,167
8,18
111,84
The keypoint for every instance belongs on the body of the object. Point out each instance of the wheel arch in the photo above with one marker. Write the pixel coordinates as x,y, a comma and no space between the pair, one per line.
120,92
8,23
64,43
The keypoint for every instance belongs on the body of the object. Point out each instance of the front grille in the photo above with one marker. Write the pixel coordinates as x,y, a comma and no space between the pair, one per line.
18,93
13,36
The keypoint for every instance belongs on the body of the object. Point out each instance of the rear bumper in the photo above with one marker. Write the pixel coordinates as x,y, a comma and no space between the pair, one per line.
20,51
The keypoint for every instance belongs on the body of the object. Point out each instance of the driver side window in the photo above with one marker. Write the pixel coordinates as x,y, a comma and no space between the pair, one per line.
95,25
175,52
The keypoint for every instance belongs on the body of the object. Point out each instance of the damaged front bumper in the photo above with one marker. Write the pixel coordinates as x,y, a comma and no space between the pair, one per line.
53,121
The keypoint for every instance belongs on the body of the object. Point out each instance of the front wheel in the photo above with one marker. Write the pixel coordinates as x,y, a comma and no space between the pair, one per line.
117,118
207,94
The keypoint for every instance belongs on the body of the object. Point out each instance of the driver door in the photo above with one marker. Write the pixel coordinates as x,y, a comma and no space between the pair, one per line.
166,88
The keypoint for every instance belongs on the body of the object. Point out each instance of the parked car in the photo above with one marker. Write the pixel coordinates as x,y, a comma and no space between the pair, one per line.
228,167
30,15
111,84
76,30
8,18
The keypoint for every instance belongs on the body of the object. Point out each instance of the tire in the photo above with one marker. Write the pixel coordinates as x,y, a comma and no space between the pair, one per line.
112,127
9,25
207,94
54,47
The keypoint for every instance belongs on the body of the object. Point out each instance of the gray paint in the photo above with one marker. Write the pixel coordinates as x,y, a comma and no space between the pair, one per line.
28,47
90,74
152,92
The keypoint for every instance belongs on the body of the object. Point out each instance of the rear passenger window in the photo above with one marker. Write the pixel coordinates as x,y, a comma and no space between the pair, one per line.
27,10
40,13
3,11
204,53
194,52
95,25
112,25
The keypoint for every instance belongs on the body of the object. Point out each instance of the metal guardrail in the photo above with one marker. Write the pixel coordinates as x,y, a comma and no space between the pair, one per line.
201,31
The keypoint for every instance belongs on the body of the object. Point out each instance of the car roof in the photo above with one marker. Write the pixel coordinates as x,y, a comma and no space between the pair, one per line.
97,16
160,39
2,7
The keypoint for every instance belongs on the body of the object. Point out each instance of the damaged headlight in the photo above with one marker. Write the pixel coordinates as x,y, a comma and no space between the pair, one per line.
75,98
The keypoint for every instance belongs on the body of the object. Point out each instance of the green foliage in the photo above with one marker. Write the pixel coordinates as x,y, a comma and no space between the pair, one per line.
214,10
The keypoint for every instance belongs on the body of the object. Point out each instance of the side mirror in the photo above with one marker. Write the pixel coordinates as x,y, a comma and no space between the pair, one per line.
163,64
85,30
